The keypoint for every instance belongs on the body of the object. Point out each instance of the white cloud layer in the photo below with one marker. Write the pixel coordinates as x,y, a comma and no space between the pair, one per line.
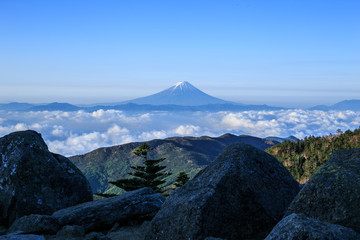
187,130
71,133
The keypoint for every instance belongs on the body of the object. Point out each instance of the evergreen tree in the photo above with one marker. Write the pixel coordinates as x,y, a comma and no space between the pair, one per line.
304,157
150,174
181,179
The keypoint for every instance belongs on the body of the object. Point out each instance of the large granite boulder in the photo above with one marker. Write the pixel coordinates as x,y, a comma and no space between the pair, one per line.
241,195
134,232
35,224
71,233
34,180
135,206
333,193
300,227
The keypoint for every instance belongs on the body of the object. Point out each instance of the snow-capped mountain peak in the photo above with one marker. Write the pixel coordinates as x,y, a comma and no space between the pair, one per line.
183,86
182,93
180,84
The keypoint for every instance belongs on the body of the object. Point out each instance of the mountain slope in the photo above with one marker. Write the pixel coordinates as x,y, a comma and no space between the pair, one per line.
189,154
55,106
183,93
304,157
281,140
132,107
16,106
353,105
347,105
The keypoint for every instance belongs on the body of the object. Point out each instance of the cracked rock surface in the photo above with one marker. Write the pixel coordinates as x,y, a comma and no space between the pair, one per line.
241,195
34,180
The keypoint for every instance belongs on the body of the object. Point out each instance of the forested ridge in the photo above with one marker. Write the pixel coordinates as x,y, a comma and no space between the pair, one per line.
304,157
187,154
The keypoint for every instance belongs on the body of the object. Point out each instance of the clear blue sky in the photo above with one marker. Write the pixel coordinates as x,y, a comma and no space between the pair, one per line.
277,52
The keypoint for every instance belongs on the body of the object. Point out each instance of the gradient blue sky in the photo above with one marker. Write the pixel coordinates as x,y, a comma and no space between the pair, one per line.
285,53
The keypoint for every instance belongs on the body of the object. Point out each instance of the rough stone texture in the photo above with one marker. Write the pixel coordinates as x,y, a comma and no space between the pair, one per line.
96,236
71,232
140,205
333,193
34,223
134,232
300,227
21,237
241,195
34,180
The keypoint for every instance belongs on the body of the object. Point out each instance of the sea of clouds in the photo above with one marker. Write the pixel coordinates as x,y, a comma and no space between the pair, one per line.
72,133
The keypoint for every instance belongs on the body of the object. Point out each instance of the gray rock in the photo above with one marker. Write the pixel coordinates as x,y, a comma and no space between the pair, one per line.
333,193
37,224
96,236
300,227
34,180
102,214
134,232
21,237
241,195
71,232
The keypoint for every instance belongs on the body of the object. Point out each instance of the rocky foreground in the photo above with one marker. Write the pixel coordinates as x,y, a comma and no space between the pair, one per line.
34,180
244,194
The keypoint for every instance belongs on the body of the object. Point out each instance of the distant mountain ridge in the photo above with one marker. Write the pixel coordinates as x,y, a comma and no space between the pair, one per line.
181,97
56,107
182,94
353,104
281,140
189,154
25,107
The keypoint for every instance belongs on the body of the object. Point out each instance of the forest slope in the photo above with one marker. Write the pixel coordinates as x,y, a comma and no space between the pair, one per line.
304,157
189,154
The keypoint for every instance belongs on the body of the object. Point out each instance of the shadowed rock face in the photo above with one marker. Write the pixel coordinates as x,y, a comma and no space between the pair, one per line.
35,224
124,217
34,180
136,206
241,195
300,227
333,193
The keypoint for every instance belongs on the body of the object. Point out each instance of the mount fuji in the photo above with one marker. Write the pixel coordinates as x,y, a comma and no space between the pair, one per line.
181,97
183,94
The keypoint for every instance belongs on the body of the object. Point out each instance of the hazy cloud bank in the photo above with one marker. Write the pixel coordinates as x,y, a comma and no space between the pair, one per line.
71,133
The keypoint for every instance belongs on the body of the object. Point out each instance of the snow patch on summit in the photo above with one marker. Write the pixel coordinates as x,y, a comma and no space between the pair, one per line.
182,93
180,84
